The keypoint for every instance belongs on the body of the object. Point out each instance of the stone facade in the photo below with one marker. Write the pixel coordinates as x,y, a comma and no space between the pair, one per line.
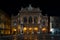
30,17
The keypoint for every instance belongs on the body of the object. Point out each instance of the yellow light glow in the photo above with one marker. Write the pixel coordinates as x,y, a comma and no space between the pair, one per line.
2,32
30,28
25,29
8,32
14,29
43,29
36,28
18,27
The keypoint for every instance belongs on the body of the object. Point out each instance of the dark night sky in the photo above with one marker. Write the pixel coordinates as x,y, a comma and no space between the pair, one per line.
47,7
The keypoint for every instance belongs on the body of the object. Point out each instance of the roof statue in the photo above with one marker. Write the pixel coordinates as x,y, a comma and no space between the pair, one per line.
21,8
30,7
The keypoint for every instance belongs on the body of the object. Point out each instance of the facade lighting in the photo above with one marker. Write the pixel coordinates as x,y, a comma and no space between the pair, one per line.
36,28
24,28
52,30
14,29
30,28
44,29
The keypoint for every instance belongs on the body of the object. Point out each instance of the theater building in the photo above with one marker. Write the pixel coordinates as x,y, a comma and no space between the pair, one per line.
29,20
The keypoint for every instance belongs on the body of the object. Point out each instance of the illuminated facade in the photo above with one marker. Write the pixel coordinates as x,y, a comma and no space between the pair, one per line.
4,23
29,20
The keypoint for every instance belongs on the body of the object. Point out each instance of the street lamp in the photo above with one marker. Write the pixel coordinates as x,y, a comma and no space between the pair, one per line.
24,28
36,29
30,28
52,30
44,29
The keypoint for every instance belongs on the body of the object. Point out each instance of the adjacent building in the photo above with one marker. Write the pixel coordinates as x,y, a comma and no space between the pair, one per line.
4,23
54,22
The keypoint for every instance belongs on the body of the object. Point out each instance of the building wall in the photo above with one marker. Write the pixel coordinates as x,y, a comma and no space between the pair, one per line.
56,22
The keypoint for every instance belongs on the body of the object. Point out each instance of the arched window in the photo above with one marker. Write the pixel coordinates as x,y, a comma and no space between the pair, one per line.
30,19
24,20
35,19
43,22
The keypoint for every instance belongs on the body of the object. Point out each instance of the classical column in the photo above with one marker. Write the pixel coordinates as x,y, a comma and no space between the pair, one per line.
21,25
21,30
27,20
21,21
16,29
38,19
32,20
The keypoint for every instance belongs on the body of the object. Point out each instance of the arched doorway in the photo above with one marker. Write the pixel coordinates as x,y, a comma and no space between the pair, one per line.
30,19
24,19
